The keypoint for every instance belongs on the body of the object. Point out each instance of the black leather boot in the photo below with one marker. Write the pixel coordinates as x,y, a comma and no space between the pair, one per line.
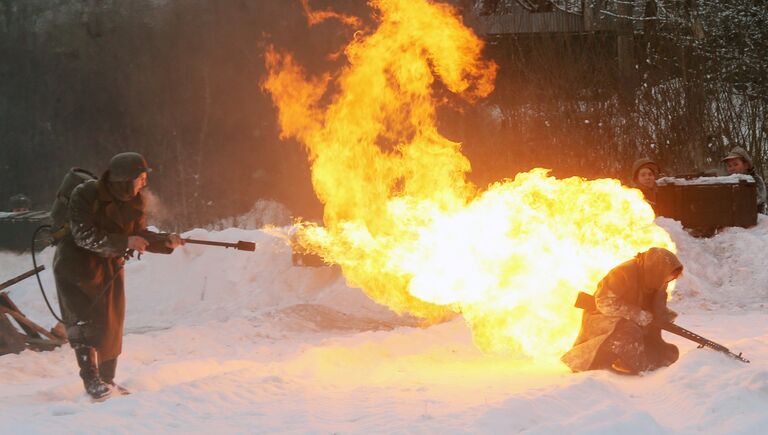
89,371
107,374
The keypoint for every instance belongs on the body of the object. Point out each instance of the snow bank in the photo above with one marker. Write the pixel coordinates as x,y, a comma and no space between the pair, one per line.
727,272
229,341
197,284
729,179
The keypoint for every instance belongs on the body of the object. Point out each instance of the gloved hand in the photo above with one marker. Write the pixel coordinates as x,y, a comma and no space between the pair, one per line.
670,315
643,318
137,243
174,241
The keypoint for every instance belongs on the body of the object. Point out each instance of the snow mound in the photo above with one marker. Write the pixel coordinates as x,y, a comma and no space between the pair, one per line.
724,272
223,341
198,284
726,179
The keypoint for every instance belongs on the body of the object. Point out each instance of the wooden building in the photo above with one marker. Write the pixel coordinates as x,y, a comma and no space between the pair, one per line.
614,21
513,17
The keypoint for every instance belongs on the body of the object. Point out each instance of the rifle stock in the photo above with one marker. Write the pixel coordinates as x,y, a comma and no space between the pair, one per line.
586,302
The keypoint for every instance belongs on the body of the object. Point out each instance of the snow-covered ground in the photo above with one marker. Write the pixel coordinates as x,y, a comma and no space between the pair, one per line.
226,341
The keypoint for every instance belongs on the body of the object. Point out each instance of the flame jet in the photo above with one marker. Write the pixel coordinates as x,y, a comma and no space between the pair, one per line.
400,217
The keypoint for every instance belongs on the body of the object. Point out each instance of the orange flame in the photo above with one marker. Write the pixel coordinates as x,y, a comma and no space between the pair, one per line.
316,17
402,220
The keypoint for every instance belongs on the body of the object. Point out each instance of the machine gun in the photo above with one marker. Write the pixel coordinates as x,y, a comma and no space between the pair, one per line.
31,335
587,303
157,243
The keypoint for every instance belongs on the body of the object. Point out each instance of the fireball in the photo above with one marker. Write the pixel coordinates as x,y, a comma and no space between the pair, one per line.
400,216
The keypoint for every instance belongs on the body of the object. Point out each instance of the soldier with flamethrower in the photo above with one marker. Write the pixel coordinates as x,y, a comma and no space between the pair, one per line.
106,219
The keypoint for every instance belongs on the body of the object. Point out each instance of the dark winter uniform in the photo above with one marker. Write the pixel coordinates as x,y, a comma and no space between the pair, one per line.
88,268
612,332
762,205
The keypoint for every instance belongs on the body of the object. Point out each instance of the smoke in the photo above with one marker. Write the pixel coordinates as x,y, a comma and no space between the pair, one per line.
158,214
264,213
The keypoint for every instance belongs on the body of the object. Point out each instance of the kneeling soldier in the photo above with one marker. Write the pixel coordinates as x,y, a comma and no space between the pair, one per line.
618,333
106,220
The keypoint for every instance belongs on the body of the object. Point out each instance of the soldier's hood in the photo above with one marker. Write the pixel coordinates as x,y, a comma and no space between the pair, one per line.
656,265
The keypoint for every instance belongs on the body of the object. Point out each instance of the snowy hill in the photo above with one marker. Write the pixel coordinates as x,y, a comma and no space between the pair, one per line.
228,341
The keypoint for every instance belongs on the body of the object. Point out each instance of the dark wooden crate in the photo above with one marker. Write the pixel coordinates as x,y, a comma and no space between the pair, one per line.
16,230
705,208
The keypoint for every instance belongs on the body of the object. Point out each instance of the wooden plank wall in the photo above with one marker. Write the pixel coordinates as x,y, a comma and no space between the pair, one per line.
519,20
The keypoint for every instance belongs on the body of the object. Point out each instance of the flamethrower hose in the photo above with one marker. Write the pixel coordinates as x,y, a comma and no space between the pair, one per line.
37,274
40,283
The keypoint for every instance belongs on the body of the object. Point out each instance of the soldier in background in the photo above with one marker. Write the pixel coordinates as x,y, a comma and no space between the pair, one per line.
644,174
106,220
20,203
738,161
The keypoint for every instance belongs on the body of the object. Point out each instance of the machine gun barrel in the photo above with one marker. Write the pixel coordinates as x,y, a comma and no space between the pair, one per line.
21,277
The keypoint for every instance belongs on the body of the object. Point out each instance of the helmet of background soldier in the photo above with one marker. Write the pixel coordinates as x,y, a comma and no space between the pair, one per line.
20,202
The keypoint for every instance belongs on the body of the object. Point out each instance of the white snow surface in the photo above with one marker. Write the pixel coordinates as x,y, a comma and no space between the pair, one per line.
234,342
726,179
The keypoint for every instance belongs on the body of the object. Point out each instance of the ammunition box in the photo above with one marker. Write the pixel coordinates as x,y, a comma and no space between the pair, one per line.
709,205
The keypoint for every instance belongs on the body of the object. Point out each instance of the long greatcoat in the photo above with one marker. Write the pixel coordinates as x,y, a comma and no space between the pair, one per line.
88,266
635,285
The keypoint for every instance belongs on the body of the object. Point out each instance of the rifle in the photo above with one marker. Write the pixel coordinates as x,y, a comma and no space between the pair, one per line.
587,303
21,277
157,243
